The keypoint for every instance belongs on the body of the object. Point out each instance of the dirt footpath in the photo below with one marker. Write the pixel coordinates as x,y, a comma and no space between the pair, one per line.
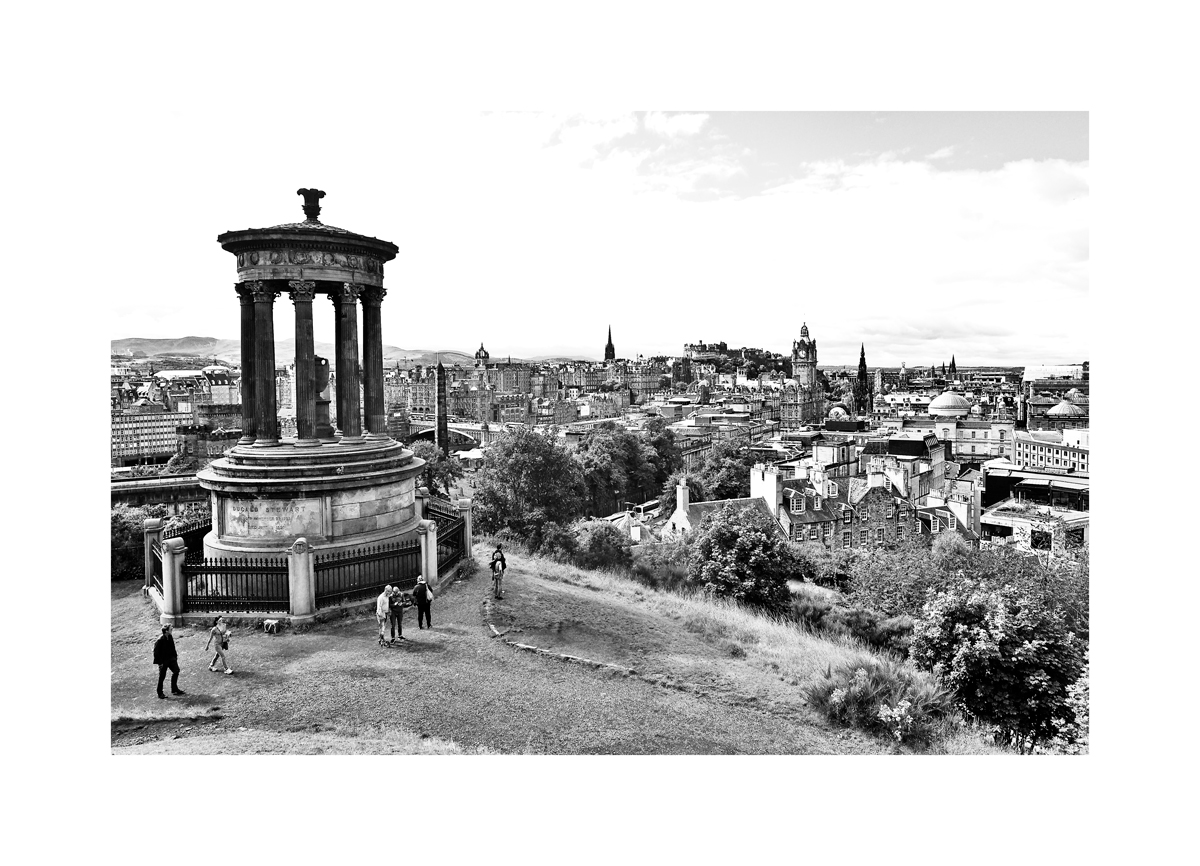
457,687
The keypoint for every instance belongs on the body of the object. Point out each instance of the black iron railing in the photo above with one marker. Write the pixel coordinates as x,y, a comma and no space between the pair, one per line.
191,531
248,585
361,574
449,544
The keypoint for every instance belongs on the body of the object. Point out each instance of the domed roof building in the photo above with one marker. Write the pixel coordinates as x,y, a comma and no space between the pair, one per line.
1076,396
949,405
1067,409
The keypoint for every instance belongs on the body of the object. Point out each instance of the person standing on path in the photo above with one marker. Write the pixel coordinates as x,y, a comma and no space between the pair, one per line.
383,611
167,659
396,610
498,566
423,595
220,633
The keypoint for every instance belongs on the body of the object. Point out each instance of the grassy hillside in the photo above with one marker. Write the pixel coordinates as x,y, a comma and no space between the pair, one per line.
682,676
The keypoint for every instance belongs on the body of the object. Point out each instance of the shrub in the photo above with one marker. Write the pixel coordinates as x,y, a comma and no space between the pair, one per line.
602,545
883,697
661,566
1008,658
890,634
740,553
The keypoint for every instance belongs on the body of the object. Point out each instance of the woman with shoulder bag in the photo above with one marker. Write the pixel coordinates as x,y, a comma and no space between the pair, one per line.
220,633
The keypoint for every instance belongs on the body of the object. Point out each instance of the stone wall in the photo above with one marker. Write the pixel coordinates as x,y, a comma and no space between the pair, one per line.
366,510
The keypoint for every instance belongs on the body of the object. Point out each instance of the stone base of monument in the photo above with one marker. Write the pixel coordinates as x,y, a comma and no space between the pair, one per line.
338,496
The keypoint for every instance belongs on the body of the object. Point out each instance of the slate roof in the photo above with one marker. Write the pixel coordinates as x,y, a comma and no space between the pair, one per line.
697,511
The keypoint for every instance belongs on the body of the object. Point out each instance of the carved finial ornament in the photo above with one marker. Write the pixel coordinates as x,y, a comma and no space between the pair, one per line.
302,290
312,203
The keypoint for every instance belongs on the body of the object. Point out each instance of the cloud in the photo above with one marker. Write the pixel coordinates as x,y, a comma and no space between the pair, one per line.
674,125
941,153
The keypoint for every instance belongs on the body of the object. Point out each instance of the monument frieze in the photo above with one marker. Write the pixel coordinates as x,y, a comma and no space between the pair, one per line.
310,258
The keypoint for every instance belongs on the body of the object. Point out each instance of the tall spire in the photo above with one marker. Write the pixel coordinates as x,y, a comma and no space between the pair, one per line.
610,352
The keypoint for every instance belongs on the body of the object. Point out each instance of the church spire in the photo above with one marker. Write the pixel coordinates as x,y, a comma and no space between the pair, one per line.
610,353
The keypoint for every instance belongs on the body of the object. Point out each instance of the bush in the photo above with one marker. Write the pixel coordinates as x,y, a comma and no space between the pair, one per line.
883,697
661,566
128,540
602,545
1008,658
888,634
740,553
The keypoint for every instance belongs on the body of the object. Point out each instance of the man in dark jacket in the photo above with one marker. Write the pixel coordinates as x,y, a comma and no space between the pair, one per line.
396,609
423,595
166,658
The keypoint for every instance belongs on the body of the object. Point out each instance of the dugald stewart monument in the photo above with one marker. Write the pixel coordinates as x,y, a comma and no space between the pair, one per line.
340,488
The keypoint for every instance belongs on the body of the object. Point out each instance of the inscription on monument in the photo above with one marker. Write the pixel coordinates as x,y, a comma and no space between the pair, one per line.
272,518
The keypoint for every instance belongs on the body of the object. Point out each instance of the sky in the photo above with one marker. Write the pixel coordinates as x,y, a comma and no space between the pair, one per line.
921,235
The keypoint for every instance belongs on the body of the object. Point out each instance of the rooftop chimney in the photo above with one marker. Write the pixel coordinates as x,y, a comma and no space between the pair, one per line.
681,496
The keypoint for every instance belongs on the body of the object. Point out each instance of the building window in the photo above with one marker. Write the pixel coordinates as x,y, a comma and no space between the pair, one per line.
862,538
953,522
879,535
798,504
813,535
845,515
935,526
845,541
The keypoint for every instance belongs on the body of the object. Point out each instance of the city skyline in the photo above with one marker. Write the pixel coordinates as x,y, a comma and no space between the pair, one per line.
920,235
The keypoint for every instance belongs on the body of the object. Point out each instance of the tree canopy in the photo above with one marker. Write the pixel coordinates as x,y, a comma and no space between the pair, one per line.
440,472
527,480
740,553
725,473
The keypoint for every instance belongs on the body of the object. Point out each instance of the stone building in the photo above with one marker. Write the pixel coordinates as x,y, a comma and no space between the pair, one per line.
803,399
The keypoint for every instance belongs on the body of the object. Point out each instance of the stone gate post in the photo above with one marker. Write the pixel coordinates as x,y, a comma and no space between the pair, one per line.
464,511
427,533
420,499
173,553
152,530
302,584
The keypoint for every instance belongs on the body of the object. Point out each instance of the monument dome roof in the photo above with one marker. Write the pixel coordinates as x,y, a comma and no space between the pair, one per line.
949,403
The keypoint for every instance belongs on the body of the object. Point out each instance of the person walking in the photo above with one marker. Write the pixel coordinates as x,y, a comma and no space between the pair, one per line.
497,578
423,595
167,659
383,611
219,633
396,610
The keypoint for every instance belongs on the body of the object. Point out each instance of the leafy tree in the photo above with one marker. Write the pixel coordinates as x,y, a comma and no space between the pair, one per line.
617,466
128,542
725,473
668,498
526,481
440,472
602,545
1009,659
666,456
740,553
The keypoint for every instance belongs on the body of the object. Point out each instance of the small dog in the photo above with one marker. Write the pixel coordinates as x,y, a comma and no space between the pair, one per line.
270,626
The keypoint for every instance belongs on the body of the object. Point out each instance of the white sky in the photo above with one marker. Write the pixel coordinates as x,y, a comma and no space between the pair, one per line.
921,235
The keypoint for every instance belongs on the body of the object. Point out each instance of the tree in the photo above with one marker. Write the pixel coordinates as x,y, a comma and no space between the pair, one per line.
1009,659
668,498
526,481
725,473
667,457
740,553
602,545
128,541
440,472
618,466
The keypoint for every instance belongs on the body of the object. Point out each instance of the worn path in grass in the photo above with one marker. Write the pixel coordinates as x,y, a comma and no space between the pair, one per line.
456,688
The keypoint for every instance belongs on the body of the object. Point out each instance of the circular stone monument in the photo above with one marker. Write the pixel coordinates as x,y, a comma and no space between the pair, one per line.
339,489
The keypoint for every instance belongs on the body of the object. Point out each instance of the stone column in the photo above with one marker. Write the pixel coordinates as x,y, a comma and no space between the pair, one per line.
303,292
152,530
420,498
427,533
249,427
338,389
264,363
464,511
372,300
173,553
302,585
347,364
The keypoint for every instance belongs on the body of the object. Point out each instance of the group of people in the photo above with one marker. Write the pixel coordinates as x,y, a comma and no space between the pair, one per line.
167,657
389,607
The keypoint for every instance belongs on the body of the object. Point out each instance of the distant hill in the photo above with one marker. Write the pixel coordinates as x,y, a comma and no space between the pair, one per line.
230,350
